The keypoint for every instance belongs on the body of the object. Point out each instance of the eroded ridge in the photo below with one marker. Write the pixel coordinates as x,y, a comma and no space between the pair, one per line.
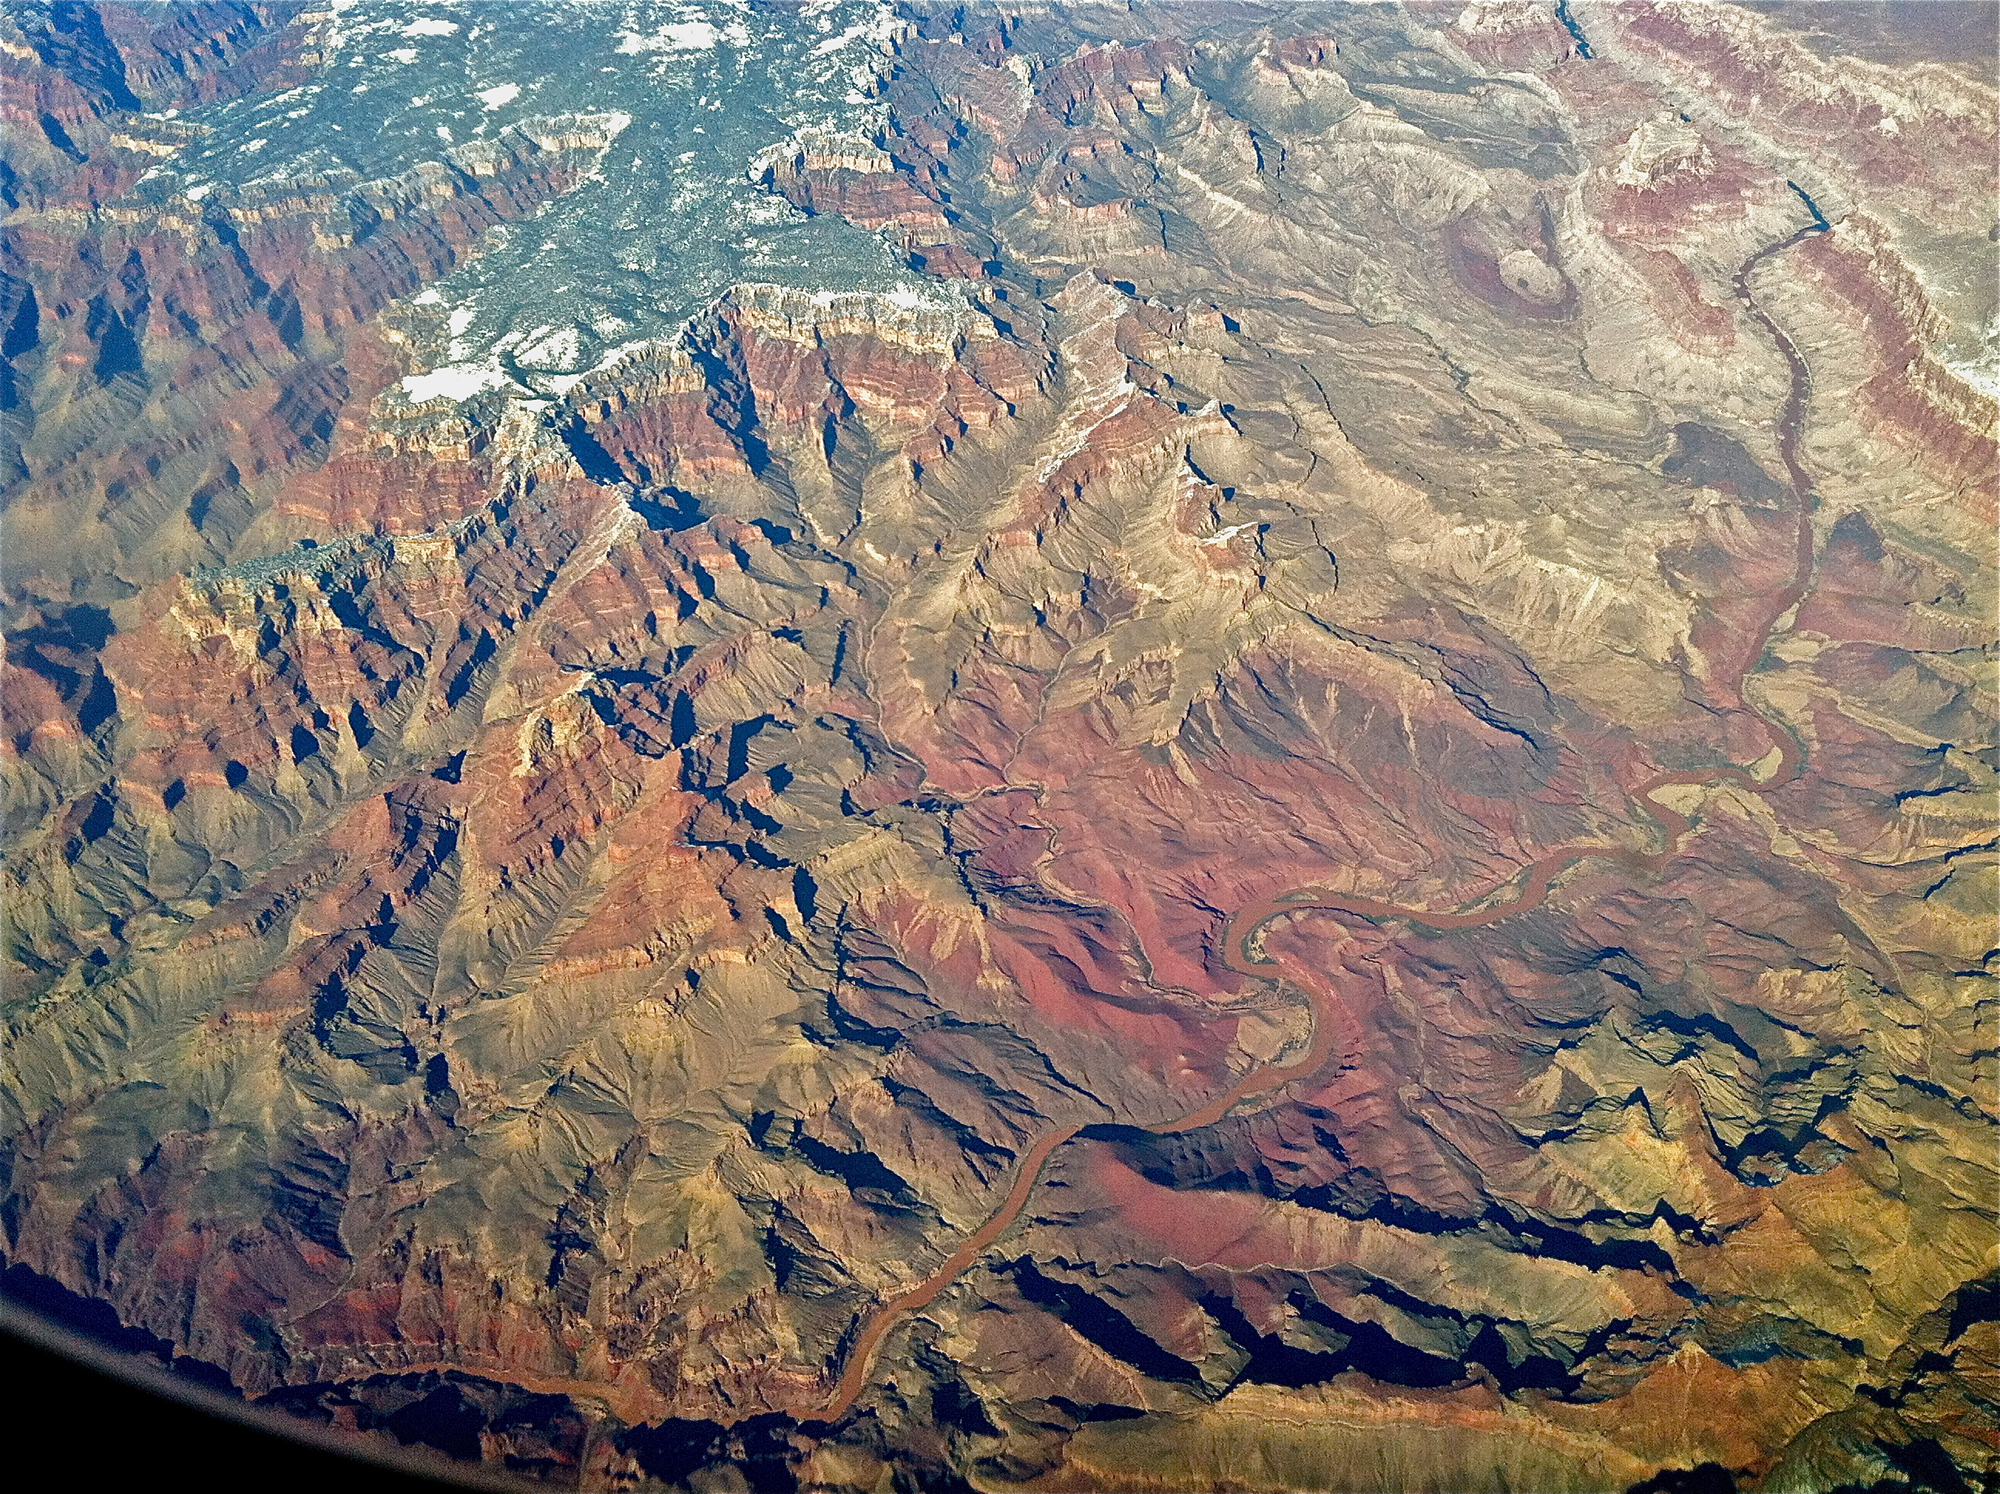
1537,879
583,841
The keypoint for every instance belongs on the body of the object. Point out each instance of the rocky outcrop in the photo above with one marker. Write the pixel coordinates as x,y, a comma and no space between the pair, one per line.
694,917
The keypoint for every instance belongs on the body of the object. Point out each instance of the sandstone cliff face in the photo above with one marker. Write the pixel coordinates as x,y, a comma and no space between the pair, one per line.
531,918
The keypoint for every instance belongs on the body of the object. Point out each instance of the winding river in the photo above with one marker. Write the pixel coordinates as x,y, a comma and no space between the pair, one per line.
1535,879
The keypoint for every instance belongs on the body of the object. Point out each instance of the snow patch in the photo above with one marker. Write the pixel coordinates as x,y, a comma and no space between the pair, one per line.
1224,536
911,299
429,26
680,36
498,95
876,30
1982,374
454,381
557,349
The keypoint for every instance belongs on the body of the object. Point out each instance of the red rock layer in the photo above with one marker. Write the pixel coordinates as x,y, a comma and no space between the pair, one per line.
658,876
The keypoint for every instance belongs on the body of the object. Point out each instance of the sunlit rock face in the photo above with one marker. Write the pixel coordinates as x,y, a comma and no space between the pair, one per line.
1066,747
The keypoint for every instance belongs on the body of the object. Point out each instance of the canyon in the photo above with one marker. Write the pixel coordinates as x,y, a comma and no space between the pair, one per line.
1305,802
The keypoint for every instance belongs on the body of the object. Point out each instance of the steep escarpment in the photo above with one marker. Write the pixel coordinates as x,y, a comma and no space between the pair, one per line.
187,357
172,361
1325,821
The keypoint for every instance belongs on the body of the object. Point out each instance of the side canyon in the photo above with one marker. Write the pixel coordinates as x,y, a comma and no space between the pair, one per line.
1309,805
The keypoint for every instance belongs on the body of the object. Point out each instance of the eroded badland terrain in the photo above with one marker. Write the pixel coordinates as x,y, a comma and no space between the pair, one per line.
1323,820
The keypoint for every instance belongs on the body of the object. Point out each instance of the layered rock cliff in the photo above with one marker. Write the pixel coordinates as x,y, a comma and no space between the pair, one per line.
1324,822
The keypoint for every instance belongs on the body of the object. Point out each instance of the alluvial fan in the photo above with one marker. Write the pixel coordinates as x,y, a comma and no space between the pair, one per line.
1055,746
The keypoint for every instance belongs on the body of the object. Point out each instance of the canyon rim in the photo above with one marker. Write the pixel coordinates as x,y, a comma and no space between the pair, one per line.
1066,747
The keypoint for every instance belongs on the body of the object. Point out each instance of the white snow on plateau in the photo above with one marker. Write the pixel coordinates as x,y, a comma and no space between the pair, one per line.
1224,536
549,347
454,381
876,29
1982,373
696,92
681,36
